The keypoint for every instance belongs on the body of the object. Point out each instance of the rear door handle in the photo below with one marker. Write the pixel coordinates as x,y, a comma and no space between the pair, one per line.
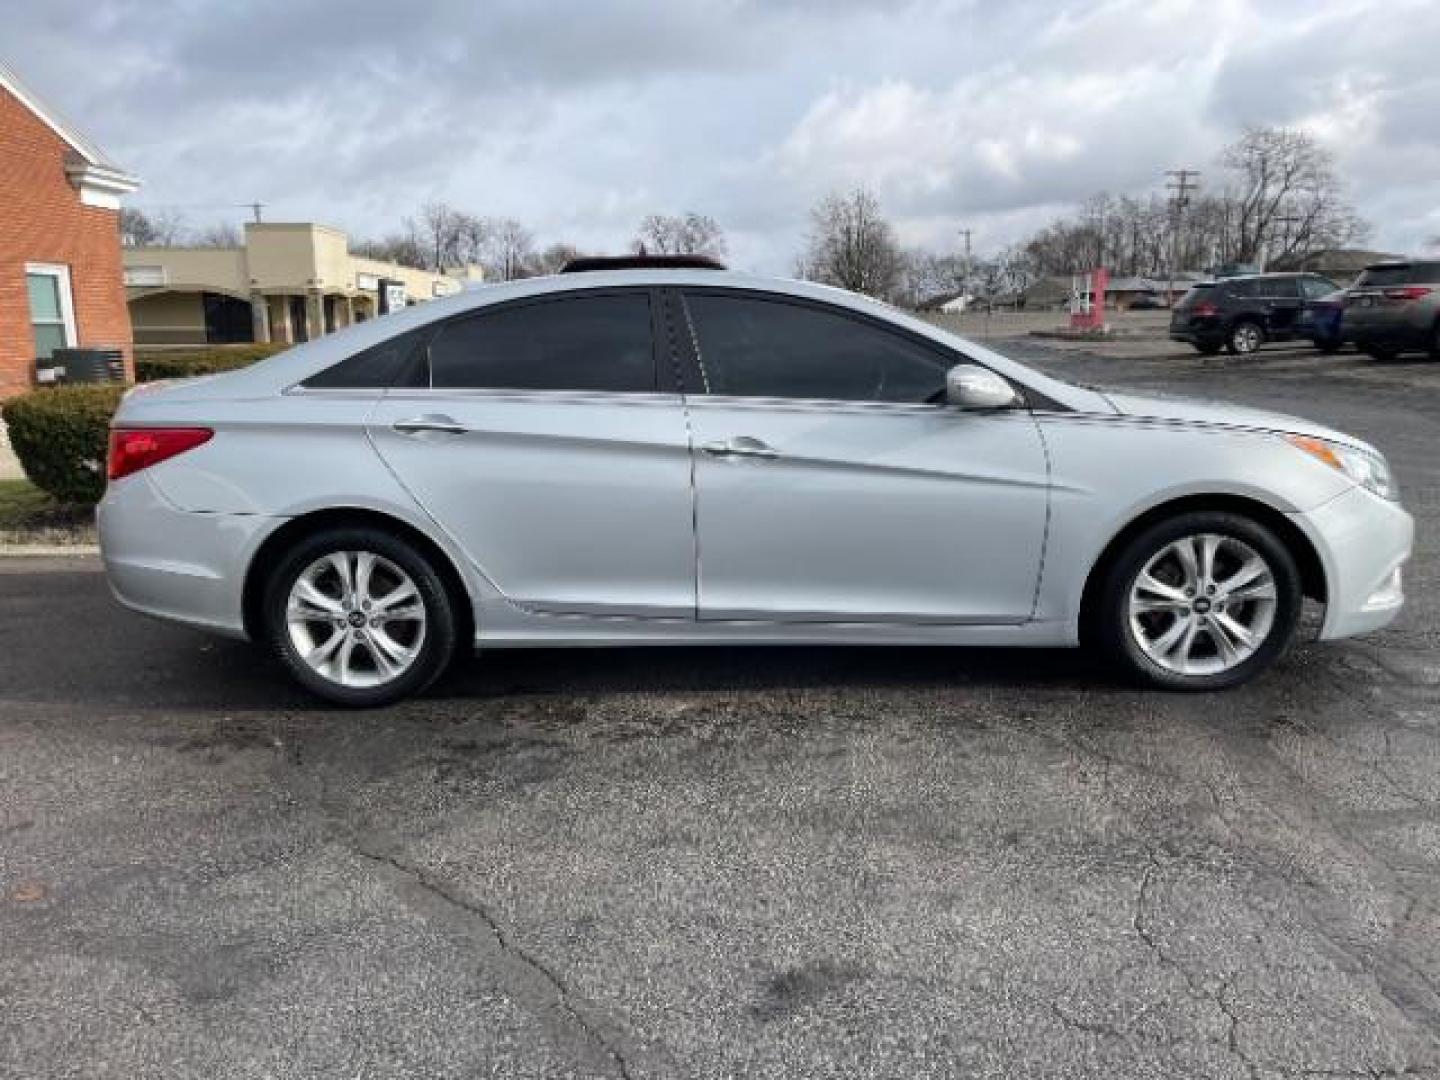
741,446
429,422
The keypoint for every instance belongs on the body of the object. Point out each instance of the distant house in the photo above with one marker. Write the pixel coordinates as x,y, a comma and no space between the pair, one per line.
952,303
287,282
60,277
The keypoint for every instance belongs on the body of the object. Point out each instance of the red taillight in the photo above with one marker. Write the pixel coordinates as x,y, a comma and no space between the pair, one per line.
1408,292
1205,308
133,449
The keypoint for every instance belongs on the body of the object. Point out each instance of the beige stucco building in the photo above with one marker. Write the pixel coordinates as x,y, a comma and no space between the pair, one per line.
286,283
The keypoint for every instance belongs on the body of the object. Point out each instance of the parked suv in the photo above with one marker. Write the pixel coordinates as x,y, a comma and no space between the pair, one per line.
1243,313
1394,307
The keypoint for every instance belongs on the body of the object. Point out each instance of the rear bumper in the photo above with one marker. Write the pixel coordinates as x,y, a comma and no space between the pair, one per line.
1363,542
177,565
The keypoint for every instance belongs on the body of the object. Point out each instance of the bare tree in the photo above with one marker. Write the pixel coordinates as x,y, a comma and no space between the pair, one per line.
440,228
405,248
554,258
1288,197
511,249
687,234
156,228
851,245
222,234
472,239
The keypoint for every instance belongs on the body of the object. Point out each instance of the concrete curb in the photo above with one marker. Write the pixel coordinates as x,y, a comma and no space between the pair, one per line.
47,551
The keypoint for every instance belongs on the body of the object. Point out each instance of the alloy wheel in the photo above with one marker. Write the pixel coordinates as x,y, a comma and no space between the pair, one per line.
356,619
1202,604
1246,338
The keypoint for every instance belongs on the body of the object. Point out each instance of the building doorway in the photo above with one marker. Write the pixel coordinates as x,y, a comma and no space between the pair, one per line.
299,325
227,320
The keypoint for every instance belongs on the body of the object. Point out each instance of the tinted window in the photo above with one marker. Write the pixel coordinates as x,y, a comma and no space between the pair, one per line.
764,348
1246,288
1283,287
374,368
1401,274
598,343
1317,287
1196,294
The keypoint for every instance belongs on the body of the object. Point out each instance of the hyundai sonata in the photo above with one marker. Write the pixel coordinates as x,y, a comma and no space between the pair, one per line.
660,455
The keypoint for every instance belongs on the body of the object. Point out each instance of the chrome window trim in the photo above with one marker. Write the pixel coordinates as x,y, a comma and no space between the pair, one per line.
578,397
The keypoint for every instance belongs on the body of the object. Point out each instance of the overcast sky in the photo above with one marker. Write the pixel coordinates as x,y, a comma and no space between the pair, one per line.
581,116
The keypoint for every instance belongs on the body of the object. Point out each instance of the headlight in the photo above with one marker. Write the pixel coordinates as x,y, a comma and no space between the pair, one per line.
1367,469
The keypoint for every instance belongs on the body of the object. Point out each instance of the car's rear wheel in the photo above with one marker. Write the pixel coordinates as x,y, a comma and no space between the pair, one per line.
1435,341
1201,601
1384,356
1328,344
359,616
1246,337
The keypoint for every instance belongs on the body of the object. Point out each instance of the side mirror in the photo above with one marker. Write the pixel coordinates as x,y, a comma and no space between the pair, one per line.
970,386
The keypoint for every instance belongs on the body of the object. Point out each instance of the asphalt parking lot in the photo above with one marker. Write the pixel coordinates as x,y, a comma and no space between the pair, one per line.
802,862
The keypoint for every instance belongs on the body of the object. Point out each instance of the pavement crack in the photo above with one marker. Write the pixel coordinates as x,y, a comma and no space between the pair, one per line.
1196,985
560,993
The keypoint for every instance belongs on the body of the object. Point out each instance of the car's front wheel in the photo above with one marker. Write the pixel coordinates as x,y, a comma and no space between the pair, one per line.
359,616
1202,601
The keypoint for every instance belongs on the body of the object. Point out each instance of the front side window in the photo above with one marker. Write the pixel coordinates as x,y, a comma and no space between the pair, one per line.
1317,287
52,317
585,343
1285,288
751,347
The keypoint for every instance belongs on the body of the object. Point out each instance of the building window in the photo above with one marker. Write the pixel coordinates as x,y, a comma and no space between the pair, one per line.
52,311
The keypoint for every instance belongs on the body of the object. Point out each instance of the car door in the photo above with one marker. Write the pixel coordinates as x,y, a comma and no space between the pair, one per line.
831,482
542,441
1282,306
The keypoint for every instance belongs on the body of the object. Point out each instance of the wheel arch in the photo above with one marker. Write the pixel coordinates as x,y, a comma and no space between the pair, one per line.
1307,559
273,549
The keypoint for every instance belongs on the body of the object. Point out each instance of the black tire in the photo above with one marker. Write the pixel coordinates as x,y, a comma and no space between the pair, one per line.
1245,338
1378,354
1208,348
1435,341
1328,345
1111,620
437,643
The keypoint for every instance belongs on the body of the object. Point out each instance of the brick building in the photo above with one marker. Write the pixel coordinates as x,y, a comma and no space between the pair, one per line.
61,282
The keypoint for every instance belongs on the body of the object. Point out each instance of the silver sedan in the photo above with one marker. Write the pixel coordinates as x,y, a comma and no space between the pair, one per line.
691,456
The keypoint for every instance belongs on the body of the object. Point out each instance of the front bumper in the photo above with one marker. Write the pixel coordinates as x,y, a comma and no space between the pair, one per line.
175,564
1363,542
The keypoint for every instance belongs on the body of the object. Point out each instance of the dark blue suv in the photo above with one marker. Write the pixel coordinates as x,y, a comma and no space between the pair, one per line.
1243,313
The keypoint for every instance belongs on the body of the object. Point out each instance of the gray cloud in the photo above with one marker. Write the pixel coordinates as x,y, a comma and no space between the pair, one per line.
581,117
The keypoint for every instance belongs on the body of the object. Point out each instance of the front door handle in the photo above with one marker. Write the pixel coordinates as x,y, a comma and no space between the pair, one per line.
429,422
741,446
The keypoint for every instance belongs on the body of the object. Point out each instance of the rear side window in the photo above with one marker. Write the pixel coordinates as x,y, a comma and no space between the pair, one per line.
1317,287
752,347
1196,294
1381,277
596,343
1286,288
374,368
1243,289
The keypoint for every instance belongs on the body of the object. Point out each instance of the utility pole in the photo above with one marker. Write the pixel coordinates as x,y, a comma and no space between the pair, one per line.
255,208
1182,182
965,273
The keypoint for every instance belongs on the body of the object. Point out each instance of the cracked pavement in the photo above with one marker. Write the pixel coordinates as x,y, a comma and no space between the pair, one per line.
688,862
